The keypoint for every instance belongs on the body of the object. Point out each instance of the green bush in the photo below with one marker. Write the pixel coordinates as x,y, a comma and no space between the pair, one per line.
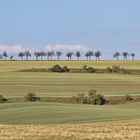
96,98
56,68
100,100
31,96
2,99
128,98
92,98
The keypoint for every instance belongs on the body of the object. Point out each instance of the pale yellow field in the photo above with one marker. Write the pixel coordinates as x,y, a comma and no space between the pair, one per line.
18,65
122,130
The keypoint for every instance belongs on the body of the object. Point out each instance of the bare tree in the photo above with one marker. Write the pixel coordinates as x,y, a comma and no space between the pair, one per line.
1,57
27,54
97,55
133,56
42,54
50,54
5,55
11,57
21,55
89,54
69,55
37,55
125,55
116,55
58,53
78,54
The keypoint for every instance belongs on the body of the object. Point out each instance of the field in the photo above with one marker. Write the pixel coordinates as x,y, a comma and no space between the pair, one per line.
122,130
60,113
14,83
61,121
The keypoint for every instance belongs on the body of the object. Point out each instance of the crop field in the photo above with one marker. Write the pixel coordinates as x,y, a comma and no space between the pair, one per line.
61,113
120,130
14,83
64,121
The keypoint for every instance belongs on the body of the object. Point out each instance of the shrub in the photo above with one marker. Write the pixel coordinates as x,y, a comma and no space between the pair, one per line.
100,100
56,68
96,98
2,99
108,69
31,96
88,69
124,70
65,69
128,98
116,69
80,98
84,67
92,98
92,93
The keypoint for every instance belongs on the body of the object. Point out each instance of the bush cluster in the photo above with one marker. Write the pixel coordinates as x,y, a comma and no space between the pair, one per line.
31,96
88,69
92,98
58,68
2,99
116,69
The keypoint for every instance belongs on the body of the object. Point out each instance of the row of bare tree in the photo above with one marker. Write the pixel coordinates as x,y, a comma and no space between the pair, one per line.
125,55
41,54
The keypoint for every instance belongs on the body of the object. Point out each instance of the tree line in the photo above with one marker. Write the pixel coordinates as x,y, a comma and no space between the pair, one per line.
42,55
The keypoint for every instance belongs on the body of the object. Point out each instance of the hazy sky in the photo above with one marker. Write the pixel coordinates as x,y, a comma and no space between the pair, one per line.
106,25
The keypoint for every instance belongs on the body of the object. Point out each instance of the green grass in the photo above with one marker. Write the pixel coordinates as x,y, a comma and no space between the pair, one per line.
58,113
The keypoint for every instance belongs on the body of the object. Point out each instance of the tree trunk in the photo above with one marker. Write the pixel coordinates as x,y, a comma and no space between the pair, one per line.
36,58
132,57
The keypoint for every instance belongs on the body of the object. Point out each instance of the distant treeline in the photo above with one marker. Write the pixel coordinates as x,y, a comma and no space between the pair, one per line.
42,55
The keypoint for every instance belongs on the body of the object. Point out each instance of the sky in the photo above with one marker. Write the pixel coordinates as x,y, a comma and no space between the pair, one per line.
70,25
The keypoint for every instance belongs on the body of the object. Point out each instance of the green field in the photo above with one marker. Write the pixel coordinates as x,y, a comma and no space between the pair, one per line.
66,84
57,113
14,83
